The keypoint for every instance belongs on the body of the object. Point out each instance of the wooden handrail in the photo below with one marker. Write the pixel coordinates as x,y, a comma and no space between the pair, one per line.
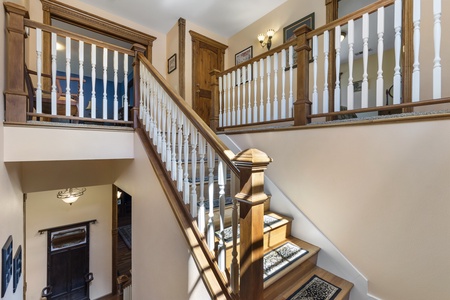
65,33
352,16
221,149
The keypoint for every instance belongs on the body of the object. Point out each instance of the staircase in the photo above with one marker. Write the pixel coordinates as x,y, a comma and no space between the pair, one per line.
284,274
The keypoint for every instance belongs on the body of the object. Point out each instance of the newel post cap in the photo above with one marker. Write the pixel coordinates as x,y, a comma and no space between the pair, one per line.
252,158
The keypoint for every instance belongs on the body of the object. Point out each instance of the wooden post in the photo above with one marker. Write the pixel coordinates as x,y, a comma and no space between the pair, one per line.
408,53
331,15
137,82
214,120
15,95
302,106
251,164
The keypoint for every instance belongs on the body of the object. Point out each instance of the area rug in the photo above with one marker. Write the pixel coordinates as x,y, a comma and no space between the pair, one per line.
125,234
315,289
281,257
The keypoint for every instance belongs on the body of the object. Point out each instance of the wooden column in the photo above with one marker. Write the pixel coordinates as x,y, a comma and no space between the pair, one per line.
15,95
181,57
408,53
251,164
214,120
331,15
137,82
302,106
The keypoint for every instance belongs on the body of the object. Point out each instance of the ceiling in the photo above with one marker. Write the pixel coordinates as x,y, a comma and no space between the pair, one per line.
224,18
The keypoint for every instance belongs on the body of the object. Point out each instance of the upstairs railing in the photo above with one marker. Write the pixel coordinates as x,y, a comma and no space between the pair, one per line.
87,81
262,89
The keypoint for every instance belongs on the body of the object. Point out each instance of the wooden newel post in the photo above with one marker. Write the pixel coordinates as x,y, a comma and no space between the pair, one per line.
302,106
15,95
214,120
137,82
251,164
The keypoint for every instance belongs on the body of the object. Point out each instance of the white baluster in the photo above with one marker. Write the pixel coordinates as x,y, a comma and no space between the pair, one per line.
416,65
211,164
186,131
221,249
225,100
234,272
268,104
326,50
380,80
93,79
53,92
275,86
163,126
174,142
261,103
437,11
350,90
283,84
180,151
238,81
337,89
39,70
125,87
291,76
233,86
229,99
365,82
249,109
194,172
220,102
398,47
201,207
315,95
105,82
81,75
68,57
169,132
244,108
255,92
142,96
159,118
116,79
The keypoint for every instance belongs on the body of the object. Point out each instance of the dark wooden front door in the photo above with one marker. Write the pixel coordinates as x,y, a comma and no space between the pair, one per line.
68,263
207,55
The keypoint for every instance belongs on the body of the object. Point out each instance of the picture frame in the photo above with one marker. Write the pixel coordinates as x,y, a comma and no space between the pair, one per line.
7,264
17,267
172,63
288,33
243,56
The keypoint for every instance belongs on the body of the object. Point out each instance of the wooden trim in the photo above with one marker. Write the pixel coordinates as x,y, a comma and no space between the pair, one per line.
408,51
203,129
331,15
199,37
182,57
114,236
78,17
208,269
353,16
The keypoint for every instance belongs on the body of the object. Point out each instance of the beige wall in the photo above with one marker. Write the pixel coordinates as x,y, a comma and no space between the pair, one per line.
161,264
44,210
379,193
172,48
285,14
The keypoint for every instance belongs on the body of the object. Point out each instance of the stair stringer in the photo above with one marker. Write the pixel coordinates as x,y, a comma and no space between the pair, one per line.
330,258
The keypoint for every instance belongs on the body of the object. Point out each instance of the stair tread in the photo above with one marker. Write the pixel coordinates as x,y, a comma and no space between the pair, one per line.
343,284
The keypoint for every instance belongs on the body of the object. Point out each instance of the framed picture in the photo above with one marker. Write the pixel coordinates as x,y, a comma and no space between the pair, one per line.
243,55
17,268
172,63
7,264
288,33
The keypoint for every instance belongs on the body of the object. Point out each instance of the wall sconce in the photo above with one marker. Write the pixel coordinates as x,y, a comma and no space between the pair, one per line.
70,195
266,41
343,35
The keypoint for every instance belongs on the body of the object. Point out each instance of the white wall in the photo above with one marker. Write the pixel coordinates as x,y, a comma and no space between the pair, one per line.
44,210
378,192
161,264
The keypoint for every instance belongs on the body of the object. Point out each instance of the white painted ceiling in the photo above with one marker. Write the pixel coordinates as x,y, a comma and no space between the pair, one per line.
223,17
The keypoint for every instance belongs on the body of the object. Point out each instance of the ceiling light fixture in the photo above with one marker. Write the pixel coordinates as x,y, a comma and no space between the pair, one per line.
266,40
70,195
343,35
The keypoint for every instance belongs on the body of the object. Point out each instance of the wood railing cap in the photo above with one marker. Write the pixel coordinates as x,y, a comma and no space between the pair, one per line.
252,157
15,8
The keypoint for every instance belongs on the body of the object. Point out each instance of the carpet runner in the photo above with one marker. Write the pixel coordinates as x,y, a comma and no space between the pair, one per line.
280,258
315,289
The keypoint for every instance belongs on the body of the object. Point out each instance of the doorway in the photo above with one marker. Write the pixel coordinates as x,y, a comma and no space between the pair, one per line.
207,55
